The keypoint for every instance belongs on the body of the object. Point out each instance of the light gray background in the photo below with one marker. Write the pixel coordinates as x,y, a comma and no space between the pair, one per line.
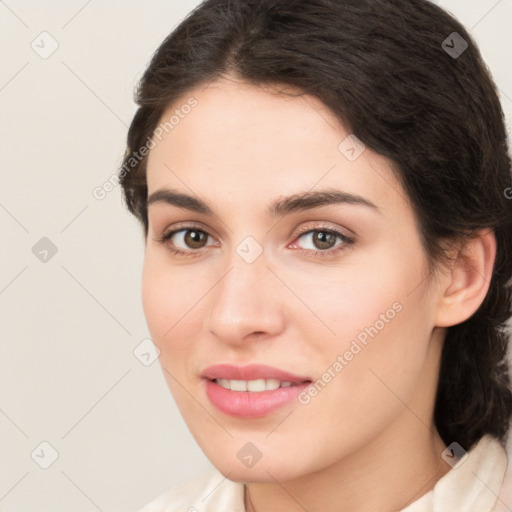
69,326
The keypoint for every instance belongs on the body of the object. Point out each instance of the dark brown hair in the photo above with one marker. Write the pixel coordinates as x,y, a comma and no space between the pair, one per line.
393,73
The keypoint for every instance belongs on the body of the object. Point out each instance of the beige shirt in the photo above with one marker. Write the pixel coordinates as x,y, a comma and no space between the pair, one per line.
472,486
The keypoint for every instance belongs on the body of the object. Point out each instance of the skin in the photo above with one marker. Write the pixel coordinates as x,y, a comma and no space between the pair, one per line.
367,440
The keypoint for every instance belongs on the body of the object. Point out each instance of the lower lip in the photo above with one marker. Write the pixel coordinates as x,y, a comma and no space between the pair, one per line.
251,404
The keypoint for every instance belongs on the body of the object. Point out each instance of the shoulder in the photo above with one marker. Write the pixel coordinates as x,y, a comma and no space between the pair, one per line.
210,491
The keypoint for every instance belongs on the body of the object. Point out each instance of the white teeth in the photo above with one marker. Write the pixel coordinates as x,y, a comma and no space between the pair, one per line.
224,383
256,385
238,385
253,385
272,384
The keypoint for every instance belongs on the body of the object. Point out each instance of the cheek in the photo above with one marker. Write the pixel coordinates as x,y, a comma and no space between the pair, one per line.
156,298
374,364
339,305
166,292
368,320
173,308
163,300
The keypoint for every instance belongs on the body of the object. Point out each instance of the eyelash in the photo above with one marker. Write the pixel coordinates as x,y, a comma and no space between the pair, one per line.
347,242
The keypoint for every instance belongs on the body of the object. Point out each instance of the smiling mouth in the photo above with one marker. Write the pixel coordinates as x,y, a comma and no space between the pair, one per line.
251,391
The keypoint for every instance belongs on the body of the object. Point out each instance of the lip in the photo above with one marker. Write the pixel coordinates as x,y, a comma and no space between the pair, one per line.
251,372
249,404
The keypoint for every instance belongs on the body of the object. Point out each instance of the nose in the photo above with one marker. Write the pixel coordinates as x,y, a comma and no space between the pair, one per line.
247,302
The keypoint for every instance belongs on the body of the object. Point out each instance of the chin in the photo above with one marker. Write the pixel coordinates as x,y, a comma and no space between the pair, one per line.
268,471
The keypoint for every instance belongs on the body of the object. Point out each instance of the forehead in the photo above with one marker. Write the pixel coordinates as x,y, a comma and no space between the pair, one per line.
260,121
242,142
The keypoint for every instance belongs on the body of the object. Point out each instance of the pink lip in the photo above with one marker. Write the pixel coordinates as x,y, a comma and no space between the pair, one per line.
251,372
249,404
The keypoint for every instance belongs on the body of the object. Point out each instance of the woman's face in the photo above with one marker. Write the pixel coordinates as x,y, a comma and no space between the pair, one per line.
266,280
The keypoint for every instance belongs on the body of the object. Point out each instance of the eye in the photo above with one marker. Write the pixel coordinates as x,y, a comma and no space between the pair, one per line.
323,241
190,238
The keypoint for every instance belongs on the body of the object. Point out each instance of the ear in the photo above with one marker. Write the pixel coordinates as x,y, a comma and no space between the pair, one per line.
464,287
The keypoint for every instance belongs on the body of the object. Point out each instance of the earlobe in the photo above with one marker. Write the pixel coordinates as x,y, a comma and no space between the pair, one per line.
466,284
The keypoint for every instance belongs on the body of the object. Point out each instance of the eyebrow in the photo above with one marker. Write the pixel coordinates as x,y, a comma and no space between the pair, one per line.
279,208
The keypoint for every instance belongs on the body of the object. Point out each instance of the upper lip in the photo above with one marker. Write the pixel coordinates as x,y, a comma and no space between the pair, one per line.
250,372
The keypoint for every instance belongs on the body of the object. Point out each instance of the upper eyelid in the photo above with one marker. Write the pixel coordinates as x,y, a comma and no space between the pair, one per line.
307,226
183,227
323,226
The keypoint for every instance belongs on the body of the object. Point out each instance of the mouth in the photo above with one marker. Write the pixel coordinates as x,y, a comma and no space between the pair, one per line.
251,391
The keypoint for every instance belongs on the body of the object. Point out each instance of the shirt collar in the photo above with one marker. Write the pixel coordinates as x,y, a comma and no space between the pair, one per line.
474,485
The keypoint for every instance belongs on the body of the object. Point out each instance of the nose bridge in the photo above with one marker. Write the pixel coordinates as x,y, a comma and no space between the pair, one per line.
245,300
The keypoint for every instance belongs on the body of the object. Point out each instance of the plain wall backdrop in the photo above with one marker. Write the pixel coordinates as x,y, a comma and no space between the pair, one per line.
76,395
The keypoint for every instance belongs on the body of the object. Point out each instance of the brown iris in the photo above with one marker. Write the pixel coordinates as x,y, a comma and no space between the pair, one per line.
324,239
195,236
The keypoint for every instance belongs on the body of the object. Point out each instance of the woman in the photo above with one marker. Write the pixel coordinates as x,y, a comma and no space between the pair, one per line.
321,186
